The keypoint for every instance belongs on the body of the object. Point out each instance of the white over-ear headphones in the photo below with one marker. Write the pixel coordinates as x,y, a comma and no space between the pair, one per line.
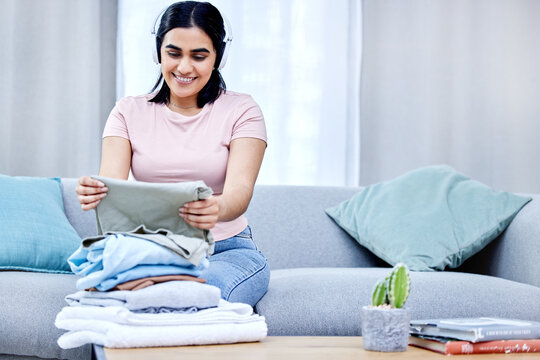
225,45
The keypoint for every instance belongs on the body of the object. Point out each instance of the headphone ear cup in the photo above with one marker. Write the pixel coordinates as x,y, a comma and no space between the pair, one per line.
226,46
154,51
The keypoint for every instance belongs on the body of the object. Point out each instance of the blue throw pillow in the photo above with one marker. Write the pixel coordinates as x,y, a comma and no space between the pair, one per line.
35,234
430,219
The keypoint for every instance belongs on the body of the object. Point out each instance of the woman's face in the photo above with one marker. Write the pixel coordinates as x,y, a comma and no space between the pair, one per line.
187,60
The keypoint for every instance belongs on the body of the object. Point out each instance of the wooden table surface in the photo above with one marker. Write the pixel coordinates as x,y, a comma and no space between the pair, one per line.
292,347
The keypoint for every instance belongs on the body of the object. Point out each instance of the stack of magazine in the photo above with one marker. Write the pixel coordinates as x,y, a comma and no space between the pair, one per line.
476,335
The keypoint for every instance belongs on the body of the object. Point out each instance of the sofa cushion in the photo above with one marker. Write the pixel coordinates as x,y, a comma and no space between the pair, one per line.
29,304
327,301
430,219
513,255
36,235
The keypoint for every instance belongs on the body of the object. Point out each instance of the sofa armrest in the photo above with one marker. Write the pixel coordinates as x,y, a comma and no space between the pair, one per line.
84,222
515,255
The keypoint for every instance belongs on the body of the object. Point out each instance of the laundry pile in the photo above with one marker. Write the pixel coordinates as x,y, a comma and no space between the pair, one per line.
140,282
171,313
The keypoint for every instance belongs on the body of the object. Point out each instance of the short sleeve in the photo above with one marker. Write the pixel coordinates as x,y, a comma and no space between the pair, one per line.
116,123
250,121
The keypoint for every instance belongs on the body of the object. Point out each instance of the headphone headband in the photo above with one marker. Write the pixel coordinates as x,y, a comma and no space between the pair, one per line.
225,46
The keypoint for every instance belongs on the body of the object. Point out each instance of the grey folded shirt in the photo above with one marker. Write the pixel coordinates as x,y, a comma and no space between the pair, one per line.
171,294
151,211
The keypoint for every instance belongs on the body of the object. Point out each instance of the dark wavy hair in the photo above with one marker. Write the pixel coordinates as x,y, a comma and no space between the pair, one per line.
205,16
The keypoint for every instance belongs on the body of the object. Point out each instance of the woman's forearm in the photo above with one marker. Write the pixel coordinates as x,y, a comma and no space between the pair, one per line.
234,202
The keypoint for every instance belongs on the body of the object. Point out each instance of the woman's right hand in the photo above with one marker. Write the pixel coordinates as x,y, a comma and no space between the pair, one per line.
90,192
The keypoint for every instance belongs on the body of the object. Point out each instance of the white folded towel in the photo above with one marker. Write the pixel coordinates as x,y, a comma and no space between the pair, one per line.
114,335
170,294
115,326
226,312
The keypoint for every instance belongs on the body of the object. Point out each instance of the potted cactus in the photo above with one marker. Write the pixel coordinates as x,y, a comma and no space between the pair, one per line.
385,324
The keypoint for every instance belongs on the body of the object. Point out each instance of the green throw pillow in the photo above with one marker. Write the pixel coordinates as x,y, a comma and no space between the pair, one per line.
431,218
35,233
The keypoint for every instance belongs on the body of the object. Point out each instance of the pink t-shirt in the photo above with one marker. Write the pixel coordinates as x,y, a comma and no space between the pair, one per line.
170,147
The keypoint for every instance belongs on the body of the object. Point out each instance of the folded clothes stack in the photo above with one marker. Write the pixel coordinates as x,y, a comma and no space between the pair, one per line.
140,279
136,293
166,314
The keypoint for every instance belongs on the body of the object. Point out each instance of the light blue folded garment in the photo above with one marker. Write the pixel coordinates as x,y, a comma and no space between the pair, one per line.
190,248
119,258
141,271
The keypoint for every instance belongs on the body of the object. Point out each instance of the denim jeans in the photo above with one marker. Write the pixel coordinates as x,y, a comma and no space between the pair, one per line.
239,269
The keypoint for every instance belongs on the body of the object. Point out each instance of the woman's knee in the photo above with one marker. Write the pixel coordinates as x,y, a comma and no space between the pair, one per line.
242,274
252,288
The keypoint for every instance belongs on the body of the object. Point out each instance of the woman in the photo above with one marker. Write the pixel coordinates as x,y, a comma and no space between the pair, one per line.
192,129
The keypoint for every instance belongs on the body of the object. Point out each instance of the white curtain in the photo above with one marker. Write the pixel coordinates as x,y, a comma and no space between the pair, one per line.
447,81
57,85
299,59
454,82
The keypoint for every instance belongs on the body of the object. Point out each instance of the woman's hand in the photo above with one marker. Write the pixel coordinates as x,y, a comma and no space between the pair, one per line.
90,192
202,214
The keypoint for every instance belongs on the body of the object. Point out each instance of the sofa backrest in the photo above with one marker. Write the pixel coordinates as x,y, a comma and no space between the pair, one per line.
289,226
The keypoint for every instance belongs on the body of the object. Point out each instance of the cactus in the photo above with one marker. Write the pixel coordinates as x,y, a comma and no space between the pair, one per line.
399,285
394,289
379,293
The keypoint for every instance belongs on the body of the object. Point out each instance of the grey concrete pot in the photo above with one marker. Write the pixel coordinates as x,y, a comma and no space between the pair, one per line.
385,329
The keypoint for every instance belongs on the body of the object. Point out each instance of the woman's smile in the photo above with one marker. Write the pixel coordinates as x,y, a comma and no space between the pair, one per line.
183,80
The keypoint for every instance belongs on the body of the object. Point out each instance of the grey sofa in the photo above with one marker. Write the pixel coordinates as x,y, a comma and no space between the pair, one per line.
320,276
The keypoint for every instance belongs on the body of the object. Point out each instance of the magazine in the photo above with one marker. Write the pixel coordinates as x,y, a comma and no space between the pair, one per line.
477,329
456,347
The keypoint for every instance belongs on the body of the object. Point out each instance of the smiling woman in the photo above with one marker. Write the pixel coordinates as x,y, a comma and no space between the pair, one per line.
190,128
300,60
190,43
187,63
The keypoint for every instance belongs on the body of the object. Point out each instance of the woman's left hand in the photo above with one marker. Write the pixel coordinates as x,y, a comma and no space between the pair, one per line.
202,214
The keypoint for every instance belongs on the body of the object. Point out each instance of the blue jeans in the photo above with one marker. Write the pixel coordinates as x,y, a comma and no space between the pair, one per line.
238,269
